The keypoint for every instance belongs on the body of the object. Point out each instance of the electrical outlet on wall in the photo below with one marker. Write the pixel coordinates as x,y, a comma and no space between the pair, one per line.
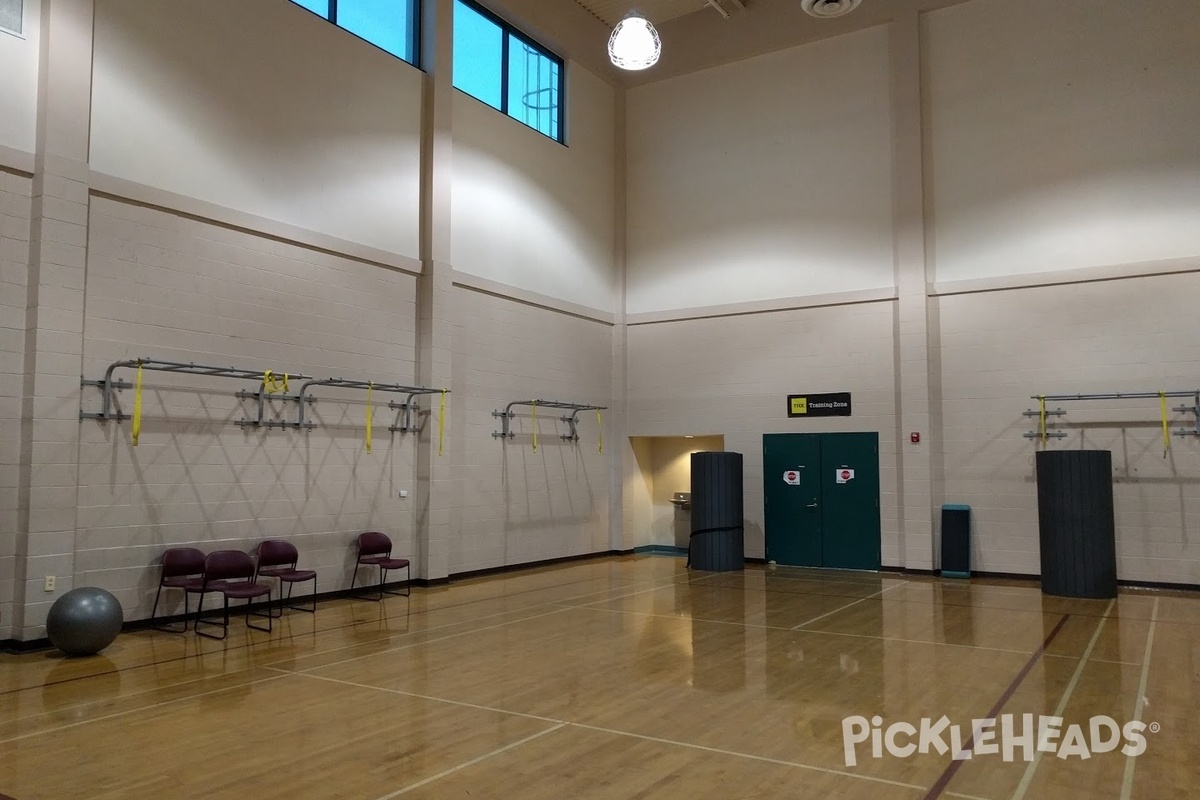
403,493
49,586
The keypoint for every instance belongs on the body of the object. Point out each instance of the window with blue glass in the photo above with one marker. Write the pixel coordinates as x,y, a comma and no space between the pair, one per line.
497,64
390,25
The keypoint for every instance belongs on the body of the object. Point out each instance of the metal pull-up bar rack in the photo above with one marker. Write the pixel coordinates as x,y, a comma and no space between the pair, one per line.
107,384
1042,413
571,419
409,406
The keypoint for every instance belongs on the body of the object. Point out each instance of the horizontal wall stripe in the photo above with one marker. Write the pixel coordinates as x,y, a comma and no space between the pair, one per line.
764,306
487,286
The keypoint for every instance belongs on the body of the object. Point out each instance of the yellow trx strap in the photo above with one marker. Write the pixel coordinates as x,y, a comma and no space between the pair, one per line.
600,428
272,384
535,427
1162,401
442,422
370,413
1042,418
137,407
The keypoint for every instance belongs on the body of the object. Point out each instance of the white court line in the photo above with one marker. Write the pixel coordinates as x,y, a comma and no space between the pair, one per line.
472,762
765,759
562,723
530,607
404,693
144,708
1127,781
1027,778
429,641
848,605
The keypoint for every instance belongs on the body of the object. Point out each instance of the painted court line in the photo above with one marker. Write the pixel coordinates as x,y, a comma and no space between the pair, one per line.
431,641
1127,780
679,618
939,787
418,696
751,756
472,762
1027,778
848,605
138,709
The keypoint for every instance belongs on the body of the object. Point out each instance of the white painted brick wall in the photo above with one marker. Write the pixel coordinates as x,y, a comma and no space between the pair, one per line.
999,348
516,505
170,287
14,267
731,376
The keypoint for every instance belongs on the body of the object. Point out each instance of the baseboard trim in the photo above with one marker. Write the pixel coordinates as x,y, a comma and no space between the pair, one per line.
660,550
525,565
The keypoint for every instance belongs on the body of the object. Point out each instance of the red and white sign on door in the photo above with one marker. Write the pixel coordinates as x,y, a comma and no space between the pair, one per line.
791,478
844,475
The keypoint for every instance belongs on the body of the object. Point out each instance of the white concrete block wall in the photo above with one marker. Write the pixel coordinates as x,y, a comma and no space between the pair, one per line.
14,267
731,375
514,505
999,348
171,287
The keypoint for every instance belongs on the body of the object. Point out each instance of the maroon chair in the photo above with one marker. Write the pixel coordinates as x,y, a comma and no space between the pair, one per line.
182,568
375,548
277,559
231,573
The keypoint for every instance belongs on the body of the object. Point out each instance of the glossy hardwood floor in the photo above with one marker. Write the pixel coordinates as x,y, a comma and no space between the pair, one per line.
619,678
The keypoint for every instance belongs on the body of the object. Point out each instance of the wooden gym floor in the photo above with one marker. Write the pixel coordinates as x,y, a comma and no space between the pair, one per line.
615,678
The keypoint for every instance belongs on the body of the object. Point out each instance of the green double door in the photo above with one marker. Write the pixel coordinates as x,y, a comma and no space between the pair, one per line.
821,496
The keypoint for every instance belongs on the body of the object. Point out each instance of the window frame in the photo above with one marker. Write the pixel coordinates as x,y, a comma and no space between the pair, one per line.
508,32
416,6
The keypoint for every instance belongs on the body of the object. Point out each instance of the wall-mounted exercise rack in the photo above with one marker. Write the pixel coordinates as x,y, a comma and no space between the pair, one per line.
408,407
264,377
1042,412
571,419
272,385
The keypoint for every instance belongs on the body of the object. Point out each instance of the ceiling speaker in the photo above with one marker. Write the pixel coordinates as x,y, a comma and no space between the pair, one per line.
827,9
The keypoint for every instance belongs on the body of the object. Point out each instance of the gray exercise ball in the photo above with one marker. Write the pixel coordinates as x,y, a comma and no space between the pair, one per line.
84,621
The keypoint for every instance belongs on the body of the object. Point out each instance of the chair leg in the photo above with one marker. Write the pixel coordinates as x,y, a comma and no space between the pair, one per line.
223,625
272,610
312,607
270,617
408,585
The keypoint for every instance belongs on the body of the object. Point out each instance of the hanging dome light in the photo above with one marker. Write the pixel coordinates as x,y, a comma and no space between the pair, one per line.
634,43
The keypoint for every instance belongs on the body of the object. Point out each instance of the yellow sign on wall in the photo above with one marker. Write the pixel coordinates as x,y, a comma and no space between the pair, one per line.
836,404
799,405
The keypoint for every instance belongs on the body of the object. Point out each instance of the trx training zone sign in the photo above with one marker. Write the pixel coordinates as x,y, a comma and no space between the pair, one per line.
835,404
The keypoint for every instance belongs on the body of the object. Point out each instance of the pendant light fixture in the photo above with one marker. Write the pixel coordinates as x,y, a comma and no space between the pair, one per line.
634,43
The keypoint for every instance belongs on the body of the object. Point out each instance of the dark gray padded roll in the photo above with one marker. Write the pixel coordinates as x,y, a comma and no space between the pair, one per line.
1076,523
716,543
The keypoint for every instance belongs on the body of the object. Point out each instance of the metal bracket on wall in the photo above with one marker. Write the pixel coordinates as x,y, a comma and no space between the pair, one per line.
260,397
108,384
571,419
349,383
1194,410
1057,412
410,407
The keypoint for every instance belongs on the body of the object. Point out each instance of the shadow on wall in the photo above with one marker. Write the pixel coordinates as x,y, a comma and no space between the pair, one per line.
665,465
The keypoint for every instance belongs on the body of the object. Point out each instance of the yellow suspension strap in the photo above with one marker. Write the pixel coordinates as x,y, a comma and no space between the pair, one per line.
137,408
370,414
1042,418
442,422
272,384
1162,402
534,427
600,428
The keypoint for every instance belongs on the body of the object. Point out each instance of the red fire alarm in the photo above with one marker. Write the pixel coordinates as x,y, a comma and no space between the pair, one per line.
915,438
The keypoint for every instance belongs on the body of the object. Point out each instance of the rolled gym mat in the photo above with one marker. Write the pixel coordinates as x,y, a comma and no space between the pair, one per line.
1076,523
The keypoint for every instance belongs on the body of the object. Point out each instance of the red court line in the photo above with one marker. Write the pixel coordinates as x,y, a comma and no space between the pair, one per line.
952,770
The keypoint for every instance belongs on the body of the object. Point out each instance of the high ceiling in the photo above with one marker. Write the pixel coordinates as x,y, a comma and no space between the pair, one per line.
657,11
